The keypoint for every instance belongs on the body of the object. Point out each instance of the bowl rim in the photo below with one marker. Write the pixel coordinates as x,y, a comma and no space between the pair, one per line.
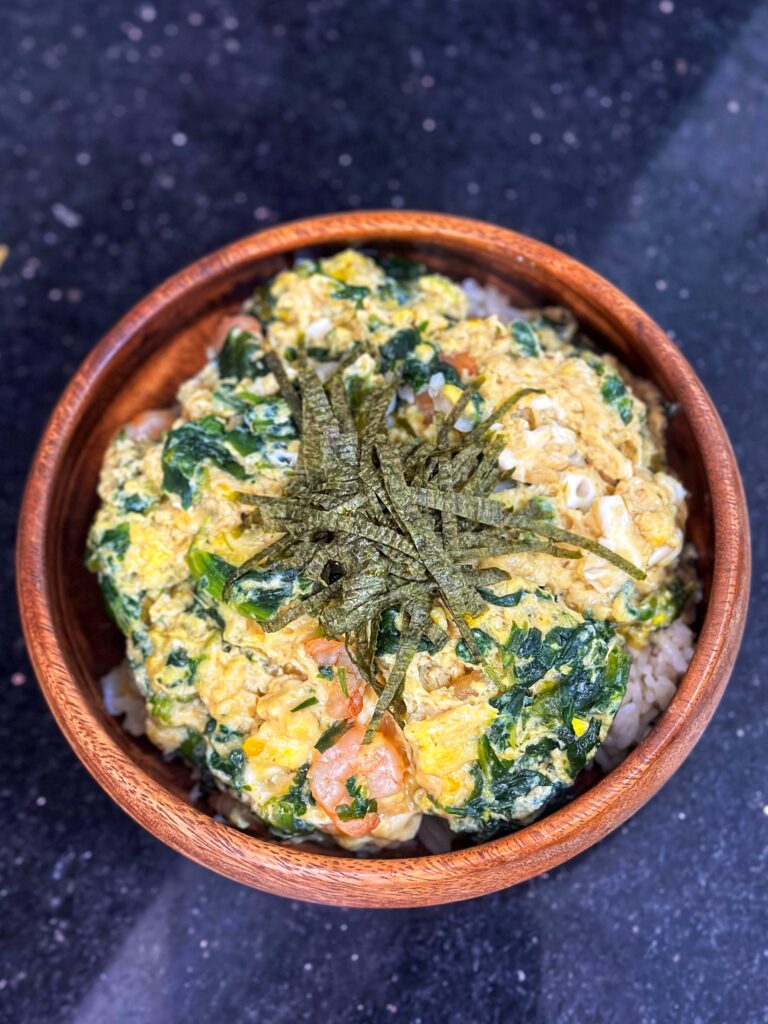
408,881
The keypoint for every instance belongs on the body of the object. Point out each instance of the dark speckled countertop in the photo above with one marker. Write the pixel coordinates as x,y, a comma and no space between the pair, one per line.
134,137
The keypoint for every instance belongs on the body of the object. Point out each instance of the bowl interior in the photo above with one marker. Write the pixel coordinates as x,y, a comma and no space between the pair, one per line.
144,372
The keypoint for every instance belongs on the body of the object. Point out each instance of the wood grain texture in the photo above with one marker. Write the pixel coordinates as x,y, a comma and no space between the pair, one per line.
139,365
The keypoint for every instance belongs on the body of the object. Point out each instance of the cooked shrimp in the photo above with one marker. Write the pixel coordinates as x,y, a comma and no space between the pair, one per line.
333,652
378,766
464,363
152,424
242,320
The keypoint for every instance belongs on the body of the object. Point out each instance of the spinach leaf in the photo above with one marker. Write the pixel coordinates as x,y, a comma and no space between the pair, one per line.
308,703
266,425
510,706
388,636
354,292
178,658
133,502
507,781
240,356
210,571
141,642
331,734
579,749
118,539
230,765
662,606
306,267
416,373
269,416
161,708
539,508
123,609
360,804
258,594
525,338
109,548
568,672
193,749
283,814
400,268
185,452
262,304
485,645
394,291
356,389
614,392
512,600
398,347
320,353
204,611
499,784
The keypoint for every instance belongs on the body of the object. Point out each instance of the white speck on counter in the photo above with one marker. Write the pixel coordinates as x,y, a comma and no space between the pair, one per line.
64,215
133,32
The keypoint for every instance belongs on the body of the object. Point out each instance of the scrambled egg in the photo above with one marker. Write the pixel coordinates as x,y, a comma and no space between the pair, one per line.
272,718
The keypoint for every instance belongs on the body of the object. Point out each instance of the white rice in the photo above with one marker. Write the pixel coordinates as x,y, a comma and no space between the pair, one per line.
653,678
488,301
122,697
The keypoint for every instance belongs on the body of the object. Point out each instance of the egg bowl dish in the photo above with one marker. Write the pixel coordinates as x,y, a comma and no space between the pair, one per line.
385,558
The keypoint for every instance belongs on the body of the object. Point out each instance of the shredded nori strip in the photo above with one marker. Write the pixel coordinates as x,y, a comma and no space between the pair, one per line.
374,528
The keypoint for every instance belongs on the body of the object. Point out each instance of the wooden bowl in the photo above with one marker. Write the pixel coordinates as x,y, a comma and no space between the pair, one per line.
139,365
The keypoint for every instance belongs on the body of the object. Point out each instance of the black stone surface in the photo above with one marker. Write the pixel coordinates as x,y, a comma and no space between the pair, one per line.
135,137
